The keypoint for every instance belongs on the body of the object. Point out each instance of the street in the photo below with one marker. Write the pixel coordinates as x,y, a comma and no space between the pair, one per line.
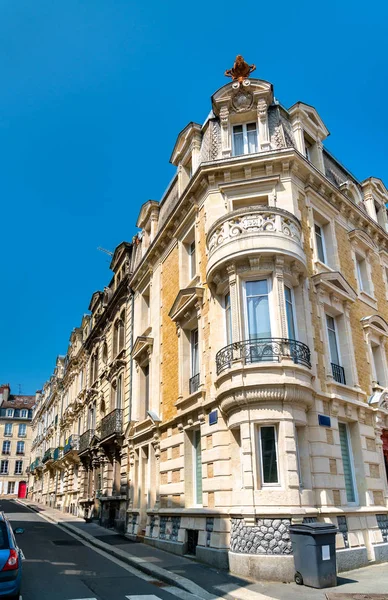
59,567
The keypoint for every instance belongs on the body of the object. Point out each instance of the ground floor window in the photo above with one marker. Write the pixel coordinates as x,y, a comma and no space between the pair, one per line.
347,462
11,487
269,455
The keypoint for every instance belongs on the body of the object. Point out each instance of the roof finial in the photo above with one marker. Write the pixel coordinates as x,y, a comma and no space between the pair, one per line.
241,70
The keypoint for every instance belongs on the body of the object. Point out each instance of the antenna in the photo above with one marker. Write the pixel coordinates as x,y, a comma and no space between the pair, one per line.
105,250
20,388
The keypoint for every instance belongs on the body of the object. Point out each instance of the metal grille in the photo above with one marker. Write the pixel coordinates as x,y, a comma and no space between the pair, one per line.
343,527
85,440
194,383
192,541
112,423
338,373
263,349
382,522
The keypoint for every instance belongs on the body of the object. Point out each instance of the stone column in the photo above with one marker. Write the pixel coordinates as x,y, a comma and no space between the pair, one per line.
237,334
262,119
225,137
279,285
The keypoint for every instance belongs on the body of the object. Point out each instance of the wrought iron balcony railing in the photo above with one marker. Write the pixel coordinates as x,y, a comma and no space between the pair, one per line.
338,373
194,384
48,455
263,349
84,440
58,453
72,443
112,423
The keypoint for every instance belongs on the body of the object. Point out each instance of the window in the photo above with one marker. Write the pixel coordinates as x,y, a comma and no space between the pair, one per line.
146,375
245,139
8,429
119,391
362,274
346,452
22,432
289,313
378,364
268,455
4,467
24,414
20,448
18,467
197,467
104,355
228,318
257,307
194,360
11,487
320,242
6,447
9,412
307,146
145,303
121,331
337,371
192,259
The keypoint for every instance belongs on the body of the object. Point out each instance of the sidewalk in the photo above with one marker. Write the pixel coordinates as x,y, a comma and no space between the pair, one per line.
204,581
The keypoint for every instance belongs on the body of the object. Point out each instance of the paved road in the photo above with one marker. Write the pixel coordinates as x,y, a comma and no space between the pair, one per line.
59,567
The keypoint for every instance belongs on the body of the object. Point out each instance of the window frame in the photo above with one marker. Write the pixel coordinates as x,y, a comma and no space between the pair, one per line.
351,463
272,319
23,445
293,306
339,364
6,463
194,459
24,416
261,464
9,413
245,138
8,444
228,323
25,430
17,471
322,236
8,426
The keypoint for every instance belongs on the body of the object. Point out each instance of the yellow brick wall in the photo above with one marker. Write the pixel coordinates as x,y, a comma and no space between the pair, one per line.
206,367
169,338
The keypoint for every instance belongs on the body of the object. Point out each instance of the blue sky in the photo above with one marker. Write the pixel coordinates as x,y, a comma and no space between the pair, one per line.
93,94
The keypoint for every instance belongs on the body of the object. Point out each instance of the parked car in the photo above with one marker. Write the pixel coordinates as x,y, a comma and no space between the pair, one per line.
10,560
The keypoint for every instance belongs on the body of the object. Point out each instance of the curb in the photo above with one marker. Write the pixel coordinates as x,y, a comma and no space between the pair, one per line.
138,563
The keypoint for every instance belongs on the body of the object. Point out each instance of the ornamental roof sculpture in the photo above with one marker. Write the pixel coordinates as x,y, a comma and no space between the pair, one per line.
241,70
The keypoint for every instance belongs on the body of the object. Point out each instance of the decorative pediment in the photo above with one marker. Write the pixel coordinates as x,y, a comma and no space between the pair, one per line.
183,142
97,296
142,345
310,120
335,283
184,303
362,239
120,253
152,206
238,97
376,324
373,186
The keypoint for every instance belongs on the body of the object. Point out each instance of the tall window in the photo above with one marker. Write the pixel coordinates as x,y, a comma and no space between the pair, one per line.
119,391
362,274
4,467
192,258
245,139
20,448
8,429
228,319
197,467
11,487
289,313
347,462
121,333
337,370
378,363
194,352
320,241
6,447
146,374
22,432
268,455
259,325
18,467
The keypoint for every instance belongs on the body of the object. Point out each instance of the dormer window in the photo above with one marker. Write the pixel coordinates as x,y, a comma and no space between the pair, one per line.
245,139
307,147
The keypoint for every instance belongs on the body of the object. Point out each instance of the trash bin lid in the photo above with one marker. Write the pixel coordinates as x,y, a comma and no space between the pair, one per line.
313,528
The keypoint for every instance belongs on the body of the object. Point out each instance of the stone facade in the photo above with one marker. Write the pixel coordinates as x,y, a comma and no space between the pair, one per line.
253,357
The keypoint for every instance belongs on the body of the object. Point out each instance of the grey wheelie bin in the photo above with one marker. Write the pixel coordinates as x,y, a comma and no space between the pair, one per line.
313,545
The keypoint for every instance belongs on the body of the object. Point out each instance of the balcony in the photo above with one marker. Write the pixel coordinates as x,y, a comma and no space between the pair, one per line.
58,453
194,384
263,349
72,443
112,424
35,464
338,373
84,440
251,231
48,455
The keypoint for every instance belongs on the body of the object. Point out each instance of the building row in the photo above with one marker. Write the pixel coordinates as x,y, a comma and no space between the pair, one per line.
232,376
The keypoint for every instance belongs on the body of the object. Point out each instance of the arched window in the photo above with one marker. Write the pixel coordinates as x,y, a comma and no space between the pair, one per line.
121,331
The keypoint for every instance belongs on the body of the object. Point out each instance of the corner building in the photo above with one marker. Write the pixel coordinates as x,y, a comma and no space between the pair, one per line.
259,393
256,374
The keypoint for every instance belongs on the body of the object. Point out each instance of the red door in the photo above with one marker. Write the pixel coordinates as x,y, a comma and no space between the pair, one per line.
22,489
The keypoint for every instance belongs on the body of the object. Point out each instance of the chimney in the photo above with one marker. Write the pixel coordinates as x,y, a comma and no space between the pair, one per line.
4,392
